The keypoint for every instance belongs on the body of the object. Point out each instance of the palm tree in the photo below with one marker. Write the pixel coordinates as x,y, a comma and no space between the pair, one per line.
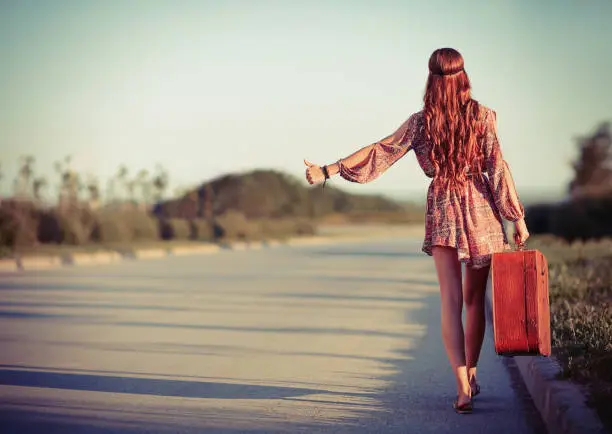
122,177
24,177
130,187
160,182
74,186
38,186
146,187
93,188
110,190
63,170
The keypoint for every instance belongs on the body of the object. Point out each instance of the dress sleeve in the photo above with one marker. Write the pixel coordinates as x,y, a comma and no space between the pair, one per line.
371,161
498,173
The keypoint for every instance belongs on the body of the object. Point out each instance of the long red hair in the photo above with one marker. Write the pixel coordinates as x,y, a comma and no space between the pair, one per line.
451,117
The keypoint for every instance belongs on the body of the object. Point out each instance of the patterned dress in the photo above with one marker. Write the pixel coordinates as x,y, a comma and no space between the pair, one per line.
469,219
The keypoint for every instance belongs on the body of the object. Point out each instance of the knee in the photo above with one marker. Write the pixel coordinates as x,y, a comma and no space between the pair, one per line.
452,301
474,300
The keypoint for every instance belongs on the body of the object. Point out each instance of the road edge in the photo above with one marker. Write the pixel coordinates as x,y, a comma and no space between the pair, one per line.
45,262
561,403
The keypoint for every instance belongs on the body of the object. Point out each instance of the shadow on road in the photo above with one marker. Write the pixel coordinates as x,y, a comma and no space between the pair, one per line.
147,386
416,396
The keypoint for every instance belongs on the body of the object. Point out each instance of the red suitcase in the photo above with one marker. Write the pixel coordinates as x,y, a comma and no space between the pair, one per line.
521,310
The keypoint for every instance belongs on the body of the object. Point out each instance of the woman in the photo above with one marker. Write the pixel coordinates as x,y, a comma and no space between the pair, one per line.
455,142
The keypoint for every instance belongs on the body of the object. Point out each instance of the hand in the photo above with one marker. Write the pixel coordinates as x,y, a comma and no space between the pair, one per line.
314,173
520,233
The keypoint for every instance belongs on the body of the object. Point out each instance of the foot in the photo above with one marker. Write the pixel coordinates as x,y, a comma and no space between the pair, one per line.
463,405
475,387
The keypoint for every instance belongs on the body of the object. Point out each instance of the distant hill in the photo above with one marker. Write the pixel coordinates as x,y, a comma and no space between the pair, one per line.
270,194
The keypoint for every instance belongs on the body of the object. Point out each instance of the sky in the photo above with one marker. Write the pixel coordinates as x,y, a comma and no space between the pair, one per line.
211,87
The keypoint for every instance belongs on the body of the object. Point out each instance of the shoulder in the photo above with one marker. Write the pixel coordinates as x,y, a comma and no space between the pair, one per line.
417,115
485,113
412,123
416,119
416,123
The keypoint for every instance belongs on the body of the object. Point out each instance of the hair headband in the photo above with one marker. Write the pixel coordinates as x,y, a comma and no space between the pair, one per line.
448,73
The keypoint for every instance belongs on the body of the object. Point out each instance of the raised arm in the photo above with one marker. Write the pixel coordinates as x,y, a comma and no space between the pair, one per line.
498,172
369,162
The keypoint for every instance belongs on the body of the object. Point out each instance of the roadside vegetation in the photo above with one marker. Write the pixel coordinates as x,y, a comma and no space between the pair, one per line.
133,209
576,237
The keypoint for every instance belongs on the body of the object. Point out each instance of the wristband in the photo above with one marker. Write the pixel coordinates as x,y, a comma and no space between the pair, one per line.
326,174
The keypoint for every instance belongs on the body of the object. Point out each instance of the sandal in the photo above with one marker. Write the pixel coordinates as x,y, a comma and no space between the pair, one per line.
475,389
465,408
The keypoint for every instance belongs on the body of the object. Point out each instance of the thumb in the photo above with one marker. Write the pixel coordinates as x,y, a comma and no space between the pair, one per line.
308,163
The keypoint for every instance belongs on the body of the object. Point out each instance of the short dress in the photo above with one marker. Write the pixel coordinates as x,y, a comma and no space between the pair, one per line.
468,219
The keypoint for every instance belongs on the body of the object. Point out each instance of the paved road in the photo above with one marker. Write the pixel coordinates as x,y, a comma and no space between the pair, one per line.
328,338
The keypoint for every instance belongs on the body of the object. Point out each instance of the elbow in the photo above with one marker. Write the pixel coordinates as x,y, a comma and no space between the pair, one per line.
515,217
356,176
511,212
357,179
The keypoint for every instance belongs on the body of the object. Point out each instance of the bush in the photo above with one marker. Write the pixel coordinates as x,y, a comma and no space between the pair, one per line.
124,226
579,219
276,228
175,229
18,224
142,226
73,232
201,229
304,227
538,218
111,229
585,218
72,227
49,228
233,225
285,228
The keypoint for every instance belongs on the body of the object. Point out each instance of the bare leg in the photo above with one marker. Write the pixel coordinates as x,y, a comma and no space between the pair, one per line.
474,288
449,277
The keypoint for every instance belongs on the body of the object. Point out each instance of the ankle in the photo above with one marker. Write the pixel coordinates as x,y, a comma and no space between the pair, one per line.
464,395
464,389
472,375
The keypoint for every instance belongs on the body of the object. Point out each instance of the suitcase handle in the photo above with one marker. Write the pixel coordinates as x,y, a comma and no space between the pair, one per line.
519,246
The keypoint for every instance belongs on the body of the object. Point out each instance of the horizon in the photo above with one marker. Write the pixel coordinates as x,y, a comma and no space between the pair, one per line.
227,87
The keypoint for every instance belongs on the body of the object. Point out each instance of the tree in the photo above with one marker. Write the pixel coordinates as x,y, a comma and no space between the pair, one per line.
593,167
64,172
130,188
93,188
146,188
1,178
38,186
122,178
73,186
207,203
160,182
111,190
24,176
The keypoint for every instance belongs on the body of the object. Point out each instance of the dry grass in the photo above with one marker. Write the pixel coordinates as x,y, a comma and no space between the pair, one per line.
581,314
